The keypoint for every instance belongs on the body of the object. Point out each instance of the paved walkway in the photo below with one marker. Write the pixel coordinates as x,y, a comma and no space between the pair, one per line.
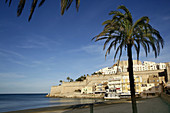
154,105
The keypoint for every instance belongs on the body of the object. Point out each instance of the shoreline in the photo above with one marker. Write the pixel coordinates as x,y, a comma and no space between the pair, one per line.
70,107
86,96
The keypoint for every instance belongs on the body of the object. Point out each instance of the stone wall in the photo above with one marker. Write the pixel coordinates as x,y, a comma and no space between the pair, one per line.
55,90
74,84
98,79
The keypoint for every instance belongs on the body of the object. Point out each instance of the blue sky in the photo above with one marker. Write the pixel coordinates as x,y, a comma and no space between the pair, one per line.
35,55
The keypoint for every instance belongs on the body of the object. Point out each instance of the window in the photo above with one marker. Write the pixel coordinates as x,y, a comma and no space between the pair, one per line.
137,80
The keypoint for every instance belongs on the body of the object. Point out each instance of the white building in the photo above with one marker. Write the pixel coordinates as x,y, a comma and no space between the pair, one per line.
114,88
161,65
137,66
110,70
115,83
150,65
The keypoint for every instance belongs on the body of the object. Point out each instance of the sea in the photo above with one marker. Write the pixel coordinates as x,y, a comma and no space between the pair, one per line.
14,102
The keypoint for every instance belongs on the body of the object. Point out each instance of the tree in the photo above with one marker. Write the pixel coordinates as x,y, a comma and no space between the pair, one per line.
68,78
71,80
121,33
65,4
61,81
94,73
81,78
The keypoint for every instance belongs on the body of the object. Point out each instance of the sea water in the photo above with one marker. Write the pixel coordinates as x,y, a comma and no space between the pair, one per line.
13,102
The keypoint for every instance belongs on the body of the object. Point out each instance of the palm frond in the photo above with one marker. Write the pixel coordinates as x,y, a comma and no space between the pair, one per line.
69,4
63,6
107,22
6,1
41,3
119,48
157,34
145,48
140,21
117,13
129,15
97,39
34,3
20,7
10,2
77,4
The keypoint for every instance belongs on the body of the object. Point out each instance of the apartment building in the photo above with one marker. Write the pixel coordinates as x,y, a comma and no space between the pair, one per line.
126,84
150,65
137,66
100,88
115,83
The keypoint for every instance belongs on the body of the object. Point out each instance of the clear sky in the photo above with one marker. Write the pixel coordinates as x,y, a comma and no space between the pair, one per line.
35,55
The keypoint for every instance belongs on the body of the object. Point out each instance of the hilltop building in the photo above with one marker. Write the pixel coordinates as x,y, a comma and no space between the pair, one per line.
122,66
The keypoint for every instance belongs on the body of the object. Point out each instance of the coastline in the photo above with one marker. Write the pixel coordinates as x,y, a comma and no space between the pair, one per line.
69,107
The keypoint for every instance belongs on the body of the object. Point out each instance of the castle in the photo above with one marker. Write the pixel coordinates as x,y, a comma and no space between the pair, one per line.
149,79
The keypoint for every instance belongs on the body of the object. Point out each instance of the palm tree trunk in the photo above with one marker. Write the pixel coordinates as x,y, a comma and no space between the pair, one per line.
131,78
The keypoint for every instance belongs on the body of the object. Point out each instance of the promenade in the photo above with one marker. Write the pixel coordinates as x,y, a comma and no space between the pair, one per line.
154,105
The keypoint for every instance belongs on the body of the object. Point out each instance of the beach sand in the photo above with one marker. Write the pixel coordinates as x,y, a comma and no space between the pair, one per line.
154,105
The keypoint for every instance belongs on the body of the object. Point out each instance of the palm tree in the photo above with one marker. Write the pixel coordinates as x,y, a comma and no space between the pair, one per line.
68,78
123,34
65,4
61,81
71,80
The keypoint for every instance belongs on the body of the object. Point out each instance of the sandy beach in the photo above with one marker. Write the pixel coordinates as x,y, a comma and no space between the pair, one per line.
154,105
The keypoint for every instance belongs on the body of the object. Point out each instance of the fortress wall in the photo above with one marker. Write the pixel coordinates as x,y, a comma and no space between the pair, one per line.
98,79
55,90
70,89
74,84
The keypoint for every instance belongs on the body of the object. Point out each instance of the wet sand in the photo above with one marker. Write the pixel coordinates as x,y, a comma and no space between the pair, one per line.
154,105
